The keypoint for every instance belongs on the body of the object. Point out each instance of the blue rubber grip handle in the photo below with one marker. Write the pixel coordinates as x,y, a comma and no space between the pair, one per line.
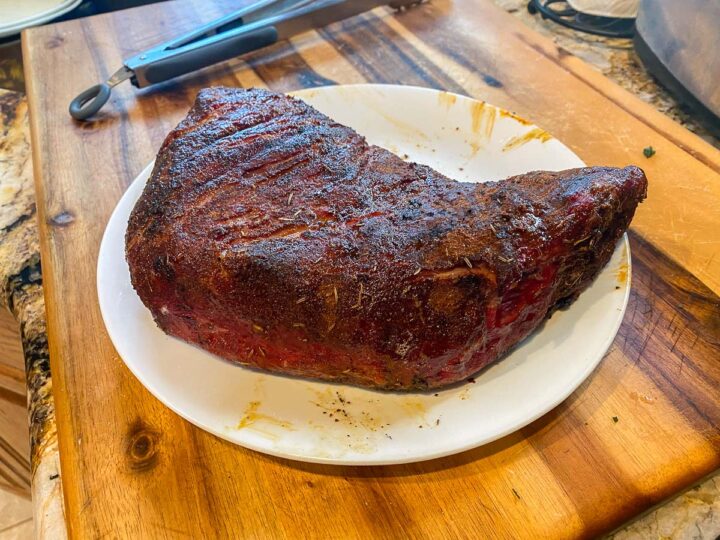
207,55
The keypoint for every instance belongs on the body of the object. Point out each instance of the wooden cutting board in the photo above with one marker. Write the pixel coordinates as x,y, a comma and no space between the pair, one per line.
642,427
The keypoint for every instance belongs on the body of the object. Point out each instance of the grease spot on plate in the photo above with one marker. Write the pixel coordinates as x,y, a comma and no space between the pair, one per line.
416,409
406,129
622,271
251,417
519,119
534,134
447,99
335,444
483,118
338,411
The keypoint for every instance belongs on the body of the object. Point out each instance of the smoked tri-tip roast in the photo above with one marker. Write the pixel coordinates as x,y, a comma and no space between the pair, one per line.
275,237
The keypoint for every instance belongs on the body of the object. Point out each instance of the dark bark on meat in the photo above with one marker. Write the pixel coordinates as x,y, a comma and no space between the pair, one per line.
275,237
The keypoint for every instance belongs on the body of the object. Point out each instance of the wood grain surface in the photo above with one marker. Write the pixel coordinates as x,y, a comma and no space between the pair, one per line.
12,369
14,440
642,427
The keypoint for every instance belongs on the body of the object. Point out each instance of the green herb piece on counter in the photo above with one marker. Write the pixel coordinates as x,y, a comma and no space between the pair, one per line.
615,419
649,152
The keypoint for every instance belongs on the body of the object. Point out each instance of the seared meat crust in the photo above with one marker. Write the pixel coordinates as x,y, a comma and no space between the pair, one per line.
277,238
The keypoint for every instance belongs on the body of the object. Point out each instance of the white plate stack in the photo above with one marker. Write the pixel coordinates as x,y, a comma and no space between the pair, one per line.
16,15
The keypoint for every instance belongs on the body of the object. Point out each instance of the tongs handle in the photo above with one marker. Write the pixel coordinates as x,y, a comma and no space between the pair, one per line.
173,65
90,101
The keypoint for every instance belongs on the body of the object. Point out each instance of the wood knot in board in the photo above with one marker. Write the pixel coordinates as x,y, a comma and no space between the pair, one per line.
142,447
63,219
491,81
54,42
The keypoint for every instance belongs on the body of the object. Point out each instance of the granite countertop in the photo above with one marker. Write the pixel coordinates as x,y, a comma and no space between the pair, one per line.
692,514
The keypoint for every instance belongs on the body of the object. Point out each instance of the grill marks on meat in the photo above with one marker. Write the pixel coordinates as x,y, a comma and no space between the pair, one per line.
275,237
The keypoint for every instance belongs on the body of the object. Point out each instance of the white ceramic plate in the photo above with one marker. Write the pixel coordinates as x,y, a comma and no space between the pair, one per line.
16,15
299,419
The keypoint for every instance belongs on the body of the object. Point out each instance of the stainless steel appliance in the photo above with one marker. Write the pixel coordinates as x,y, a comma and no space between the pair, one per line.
679,43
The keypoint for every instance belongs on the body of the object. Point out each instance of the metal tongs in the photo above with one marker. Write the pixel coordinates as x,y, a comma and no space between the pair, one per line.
258,25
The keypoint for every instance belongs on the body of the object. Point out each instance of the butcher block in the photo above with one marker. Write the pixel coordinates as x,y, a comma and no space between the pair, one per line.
642,427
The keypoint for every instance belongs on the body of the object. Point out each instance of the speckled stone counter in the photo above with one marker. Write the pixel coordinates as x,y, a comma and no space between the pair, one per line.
21,292
694,514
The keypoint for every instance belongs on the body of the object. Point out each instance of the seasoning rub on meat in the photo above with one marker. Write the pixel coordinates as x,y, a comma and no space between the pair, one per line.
277,238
